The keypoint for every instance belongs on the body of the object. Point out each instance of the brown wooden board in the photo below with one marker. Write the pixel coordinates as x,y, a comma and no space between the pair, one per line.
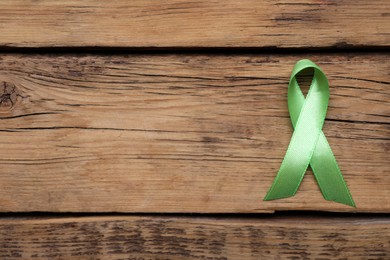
182,238
181,133
175,23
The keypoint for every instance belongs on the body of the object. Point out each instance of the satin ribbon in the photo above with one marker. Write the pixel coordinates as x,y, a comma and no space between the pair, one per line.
308,144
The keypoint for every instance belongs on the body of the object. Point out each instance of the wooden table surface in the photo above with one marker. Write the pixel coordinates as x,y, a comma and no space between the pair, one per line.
153,129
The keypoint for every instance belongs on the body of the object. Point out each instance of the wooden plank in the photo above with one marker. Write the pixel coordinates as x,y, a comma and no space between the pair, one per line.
201,23
195,238
181,133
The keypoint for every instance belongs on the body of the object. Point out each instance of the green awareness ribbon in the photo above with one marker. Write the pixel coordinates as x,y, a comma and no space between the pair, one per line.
308,144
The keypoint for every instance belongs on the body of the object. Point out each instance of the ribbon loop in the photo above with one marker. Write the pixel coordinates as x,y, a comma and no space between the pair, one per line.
308,144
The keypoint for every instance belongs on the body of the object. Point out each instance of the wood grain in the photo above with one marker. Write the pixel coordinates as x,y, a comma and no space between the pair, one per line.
195,238
175,23
181,133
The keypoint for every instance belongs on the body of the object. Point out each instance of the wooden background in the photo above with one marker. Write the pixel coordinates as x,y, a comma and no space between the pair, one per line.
124,108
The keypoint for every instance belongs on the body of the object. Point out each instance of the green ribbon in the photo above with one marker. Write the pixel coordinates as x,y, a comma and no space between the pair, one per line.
308,144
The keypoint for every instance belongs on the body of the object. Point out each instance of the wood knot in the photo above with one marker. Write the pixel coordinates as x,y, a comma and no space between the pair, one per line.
9,95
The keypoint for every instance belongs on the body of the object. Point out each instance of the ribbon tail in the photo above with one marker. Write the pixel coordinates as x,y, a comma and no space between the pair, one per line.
328,175
293,167
283,186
